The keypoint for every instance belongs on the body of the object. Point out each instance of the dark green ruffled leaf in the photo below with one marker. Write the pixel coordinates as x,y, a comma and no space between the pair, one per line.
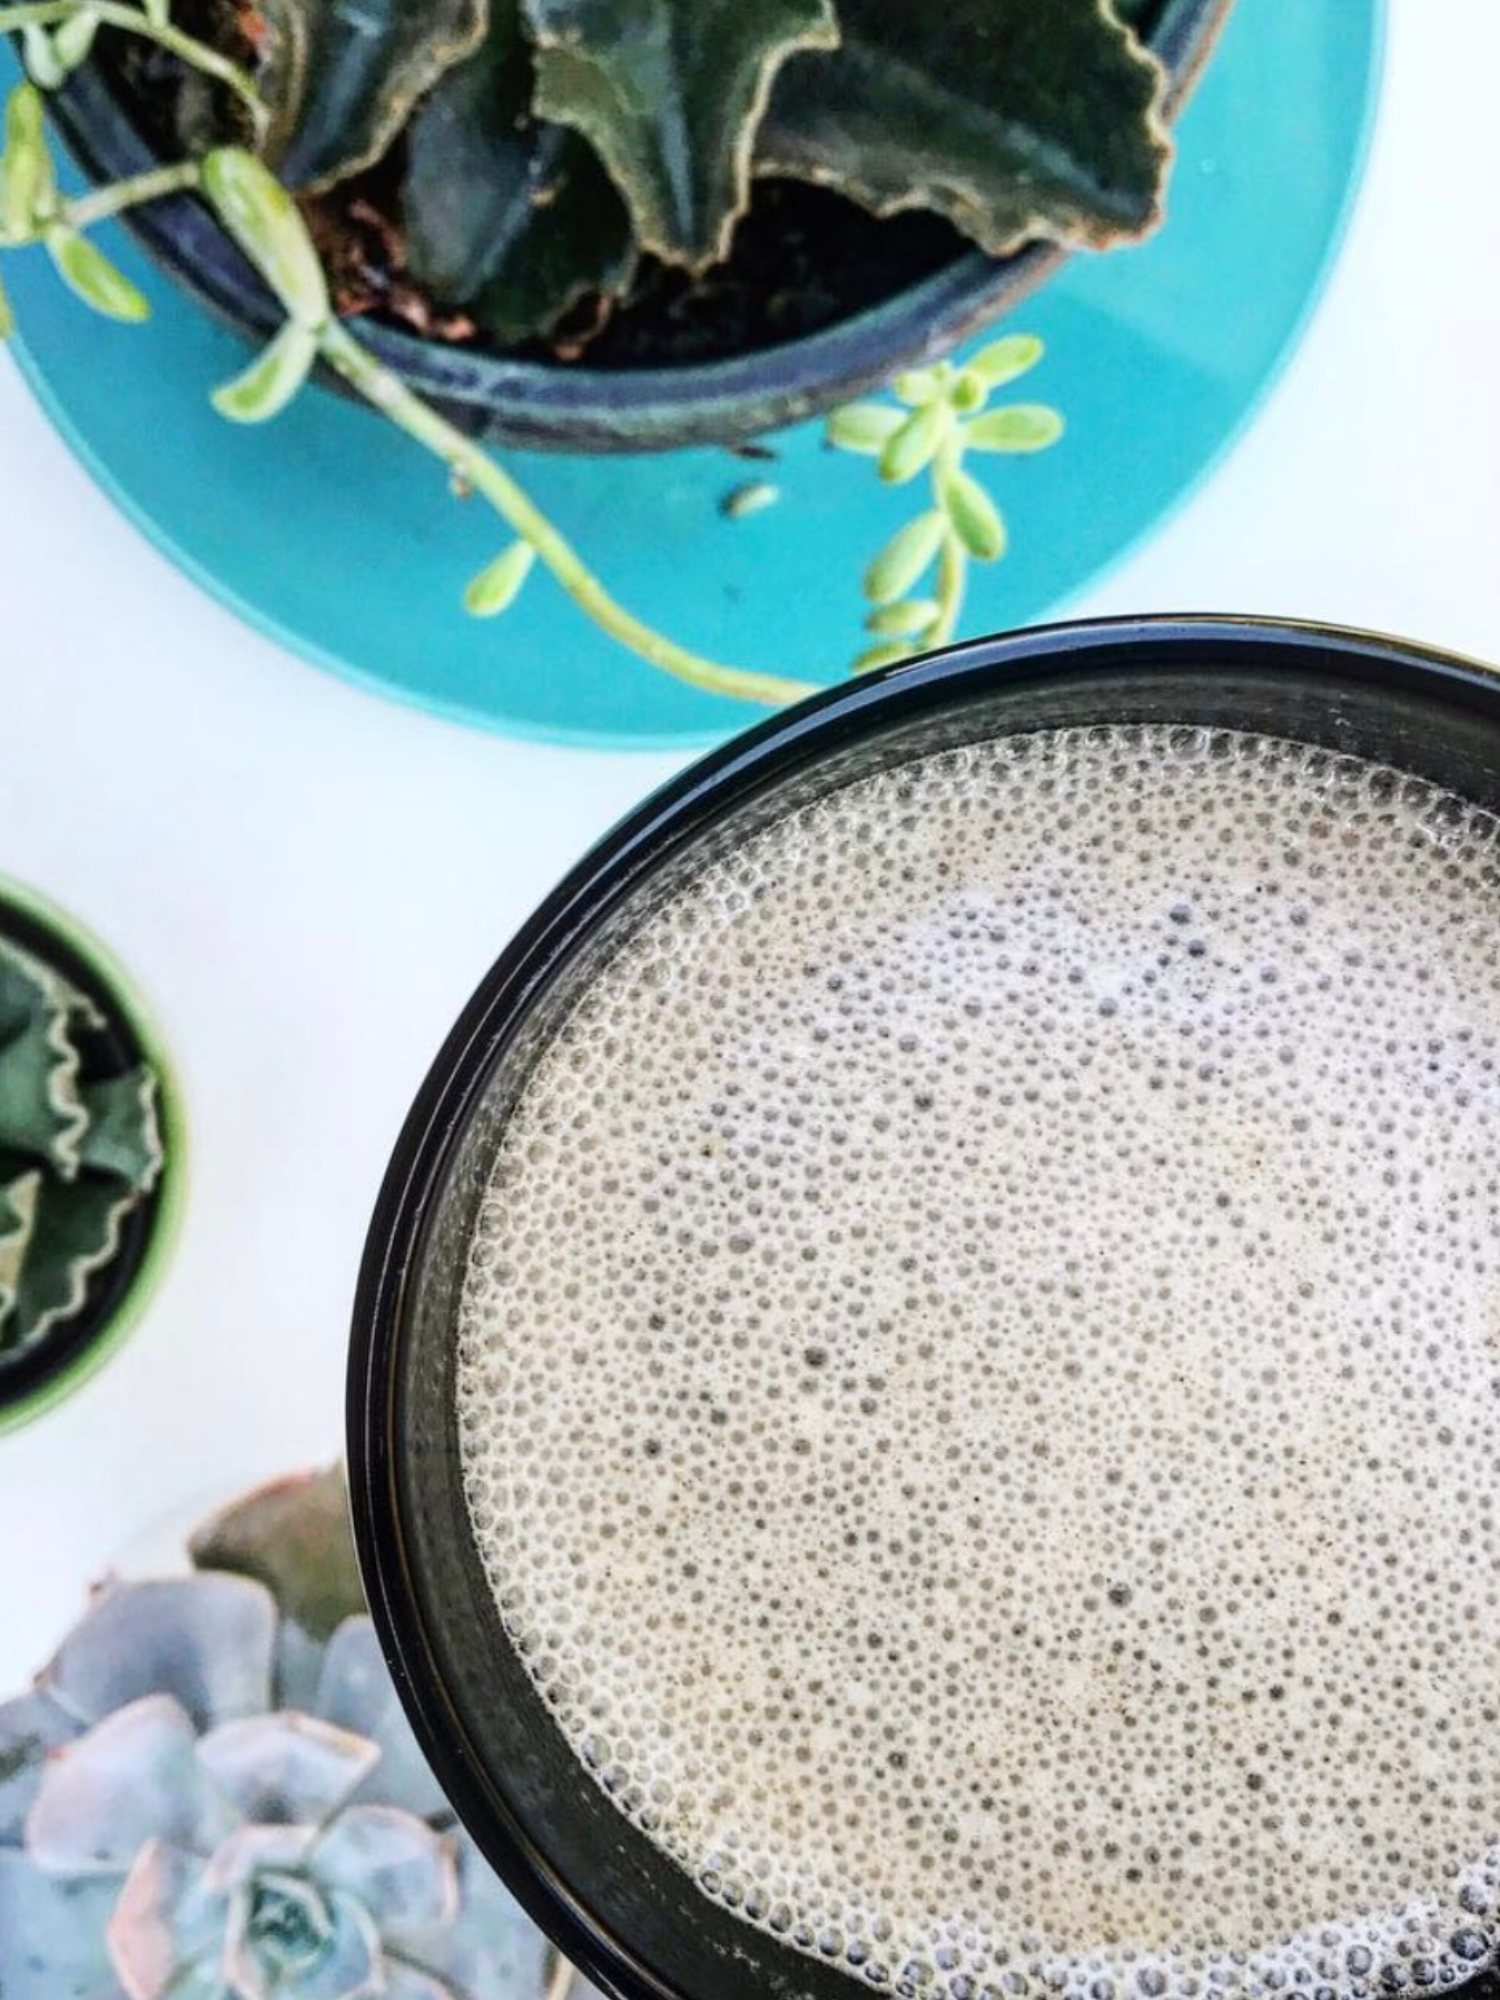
1014,118
41,1116
292,1536
17,1216
511,218
341,76
78,1150
75,1231
123,1138
669,93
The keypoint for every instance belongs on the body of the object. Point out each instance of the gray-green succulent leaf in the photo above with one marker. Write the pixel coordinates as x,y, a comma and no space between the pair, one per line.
207,1641
170,1830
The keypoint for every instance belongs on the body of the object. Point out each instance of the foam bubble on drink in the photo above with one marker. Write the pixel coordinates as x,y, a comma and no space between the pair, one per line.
980,1374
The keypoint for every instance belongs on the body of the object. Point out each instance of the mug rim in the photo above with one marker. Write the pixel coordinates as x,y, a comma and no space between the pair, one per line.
635,847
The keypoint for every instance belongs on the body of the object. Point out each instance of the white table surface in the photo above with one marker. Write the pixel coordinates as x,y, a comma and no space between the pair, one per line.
309,881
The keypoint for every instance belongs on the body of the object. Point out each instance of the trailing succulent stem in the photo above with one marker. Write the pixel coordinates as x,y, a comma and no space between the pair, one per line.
915,585
266,222
58,35
609,141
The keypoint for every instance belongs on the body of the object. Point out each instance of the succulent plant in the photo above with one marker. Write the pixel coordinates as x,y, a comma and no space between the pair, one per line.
212,1791
258,212
939,415
80,1147
538,147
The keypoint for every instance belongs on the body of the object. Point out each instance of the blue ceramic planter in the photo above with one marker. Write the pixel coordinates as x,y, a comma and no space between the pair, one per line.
541,405
330,534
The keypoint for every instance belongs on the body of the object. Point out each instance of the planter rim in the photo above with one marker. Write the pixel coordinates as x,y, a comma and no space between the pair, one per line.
1339,665
551,406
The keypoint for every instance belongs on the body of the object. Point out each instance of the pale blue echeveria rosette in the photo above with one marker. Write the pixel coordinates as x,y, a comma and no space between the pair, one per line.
212,1793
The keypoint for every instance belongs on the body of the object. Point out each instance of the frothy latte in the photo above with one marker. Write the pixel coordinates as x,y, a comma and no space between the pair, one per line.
979,1375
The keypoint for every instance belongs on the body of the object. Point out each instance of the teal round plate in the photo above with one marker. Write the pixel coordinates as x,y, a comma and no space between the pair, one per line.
336,536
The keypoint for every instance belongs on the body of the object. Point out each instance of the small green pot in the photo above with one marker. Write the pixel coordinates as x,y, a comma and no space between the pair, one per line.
36,1377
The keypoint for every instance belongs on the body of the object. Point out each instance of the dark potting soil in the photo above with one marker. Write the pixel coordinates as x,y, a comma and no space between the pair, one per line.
802,258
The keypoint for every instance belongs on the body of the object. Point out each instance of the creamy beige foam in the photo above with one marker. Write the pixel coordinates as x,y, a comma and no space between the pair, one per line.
980,1373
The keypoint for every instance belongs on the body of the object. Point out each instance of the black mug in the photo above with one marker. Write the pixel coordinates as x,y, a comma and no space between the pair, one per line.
605,1894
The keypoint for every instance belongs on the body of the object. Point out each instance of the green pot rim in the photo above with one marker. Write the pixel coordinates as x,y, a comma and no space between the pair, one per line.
169,1197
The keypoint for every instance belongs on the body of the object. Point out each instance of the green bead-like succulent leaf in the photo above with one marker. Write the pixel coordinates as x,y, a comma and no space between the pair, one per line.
864,427
43,64
265,388
670,94
975,517
266,223
904,557
27,186
73,38
499,583
1014,118
915,386
1019,427
1003,360
89,274
905,619
913,444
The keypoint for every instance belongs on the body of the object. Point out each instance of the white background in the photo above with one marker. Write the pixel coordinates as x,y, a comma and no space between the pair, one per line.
308,882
